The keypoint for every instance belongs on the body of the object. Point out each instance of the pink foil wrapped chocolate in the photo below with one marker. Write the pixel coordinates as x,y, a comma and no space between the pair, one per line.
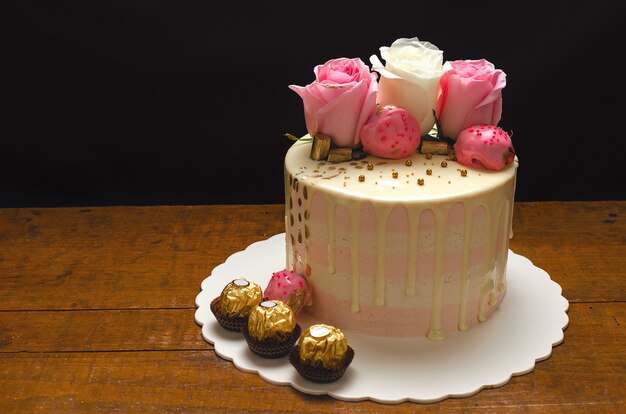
290,288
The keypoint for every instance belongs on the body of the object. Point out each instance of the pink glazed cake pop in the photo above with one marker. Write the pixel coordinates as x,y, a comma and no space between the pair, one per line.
484,146
391,133
290,288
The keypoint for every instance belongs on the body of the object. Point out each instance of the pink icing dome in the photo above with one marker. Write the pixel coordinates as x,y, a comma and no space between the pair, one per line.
484,146
391,133
288,287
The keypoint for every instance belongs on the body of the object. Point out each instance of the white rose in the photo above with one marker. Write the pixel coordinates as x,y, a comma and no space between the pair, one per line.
410,78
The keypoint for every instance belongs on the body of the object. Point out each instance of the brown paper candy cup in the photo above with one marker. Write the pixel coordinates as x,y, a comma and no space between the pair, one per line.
226,322
319,373
271,348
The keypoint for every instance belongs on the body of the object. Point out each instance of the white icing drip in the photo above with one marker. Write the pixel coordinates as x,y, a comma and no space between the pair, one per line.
511,197
485,297
354,256
288,247
411,266
505,225
435,331
331,236
494,210
382,215
468,214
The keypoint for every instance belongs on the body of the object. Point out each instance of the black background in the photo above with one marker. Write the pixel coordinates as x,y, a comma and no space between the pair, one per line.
183,102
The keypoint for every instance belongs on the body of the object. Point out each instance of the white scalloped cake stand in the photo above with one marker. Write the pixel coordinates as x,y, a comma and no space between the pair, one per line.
522,331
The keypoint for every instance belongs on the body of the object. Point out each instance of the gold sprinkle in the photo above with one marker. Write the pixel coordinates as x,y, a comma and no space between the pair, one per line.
370,166
463,173
420,181
394,174
409,163
361,178
429,172
429,156
444,164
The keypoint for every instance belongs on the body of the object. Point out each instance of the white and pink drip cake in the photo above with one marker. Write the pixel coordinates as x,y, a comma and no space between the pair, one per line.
410,247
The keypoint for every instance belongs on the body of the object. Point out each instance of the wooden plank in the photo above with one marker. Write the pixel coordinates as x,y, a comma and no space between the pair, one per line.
101,258
94,258
190,381
40,370
582,246
597,326
103,330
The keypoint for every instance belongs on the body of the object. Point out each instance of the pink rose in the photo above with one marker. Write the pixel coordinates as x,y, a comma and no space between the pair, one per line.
471,93
340,100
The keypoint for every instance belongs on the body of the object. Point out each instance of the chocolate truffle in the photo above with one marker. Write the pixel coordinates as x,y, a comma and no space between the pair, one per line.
322,353
235,303
271,329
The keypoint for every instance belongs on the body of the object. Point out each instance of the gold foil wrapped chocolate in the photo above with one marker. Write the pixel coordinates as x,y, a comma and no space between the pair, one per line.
323,344
239,297
271,319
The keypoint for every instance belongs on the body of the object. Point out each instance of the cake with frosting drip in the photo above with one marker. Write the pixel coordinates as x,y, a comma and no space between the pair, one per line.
394,234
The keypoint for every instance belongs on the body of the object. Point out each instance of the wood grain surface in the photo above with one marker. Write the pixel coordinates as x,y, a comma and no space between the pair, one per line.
97,312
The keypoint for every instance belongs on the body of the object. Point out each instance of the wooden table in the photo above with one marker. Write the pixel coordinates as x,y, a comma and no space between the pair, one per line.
97,312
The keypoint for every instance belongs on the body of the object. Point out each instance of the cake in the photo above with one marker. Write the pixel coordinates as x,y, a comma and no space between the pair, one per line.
399,199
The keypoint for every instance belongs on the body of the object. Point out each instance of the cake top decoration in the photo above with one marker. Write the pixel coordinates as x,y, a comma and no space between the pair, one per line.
417,101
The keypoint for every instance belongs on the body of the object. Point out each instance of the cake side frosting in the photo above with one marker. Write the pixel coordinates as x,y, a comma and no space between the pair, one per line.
381,252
